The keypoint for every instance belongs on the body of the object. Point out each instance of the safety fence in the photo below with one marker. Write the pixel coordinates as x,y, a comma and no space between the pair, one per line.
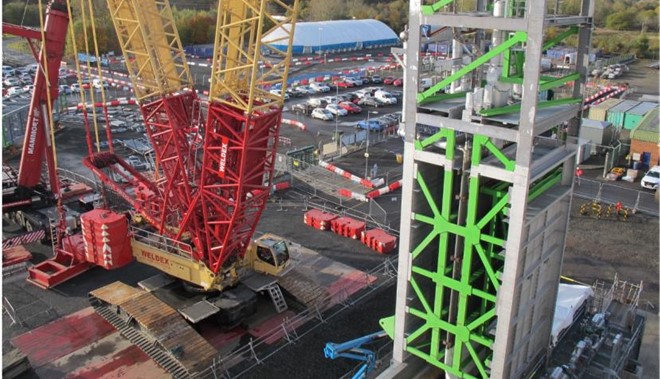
239,362
113,200
637,201
318,188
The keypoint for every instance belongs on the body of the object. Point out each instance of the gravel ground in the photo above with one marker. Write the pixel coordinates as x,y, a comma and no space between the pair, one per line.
599,248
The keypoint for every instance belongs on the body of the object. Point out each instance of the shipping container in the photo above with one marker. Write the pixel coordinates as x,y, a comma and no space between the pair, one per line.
598,112
617,114
636,114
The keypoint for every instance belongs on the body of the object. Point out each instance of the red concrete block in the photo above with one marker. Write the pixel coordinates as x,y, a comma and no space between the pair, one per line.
348,227
319,219
378,240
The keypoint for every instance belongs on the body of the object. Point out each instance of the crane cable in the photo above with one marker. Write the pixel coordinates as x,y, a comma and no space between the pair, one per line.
100,76
79,81
89,75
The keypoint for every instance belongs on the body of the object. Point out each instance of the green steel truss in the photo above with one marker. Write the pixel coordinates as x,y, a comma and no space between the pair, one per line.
460,344
464,256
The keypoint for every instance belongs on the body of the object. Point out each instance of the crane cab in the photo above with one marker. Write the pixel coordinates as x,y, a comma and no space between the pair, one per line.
268,254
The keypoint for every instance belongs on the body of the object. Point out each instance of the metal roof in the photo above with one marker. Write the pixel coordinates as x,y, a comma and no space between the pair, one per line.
624,106
648,129
642,108
337,32
595,124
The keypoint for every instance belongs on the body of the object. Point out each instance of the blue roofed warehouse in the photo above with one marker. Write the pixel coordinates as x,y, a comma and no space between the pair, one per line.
334,36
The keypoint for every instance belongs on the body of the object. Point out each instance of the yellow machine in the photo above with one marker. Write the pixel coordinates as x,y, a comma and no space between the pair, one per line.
267,254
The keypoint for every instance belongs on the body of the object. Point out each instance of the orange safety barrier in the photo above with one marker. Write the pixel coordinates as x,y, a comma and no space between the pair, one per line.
348,227
379,240
319,219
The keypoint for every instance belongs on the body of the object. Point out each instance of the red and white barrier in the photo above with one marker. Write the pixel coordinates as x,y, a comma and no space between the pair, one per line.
343,192
24,239
381,191
363,182
295,123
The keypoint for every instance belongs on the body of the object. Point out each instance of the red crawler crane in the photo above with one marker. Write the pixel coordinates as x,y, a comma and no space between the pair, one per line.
209,197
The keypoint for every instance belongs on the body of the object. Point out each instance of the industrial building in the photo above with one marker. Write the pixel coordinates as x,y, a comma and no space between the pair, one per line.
335,36
644,140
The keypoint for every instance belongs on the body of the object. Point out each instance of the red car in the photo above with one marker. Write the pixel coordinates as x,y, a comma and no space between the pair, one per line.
342,84
398,82
350,107
388,80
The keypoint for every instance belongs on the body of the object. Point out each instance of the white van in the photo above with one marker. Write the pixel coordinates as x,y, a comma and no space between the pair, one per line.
425,83
385,97
97,83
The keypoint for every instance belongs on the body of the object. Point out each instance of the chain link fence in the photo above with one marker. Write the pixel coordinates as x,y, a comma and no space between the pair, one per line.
239,362
638,201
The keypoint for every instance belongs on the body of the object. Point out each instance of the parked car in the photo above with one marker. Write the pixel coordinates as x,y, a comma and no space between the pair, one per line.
371,125
369,101
343,84
301,90
302,108
385,97
336,110
389,80
375,79
277,92
651,179
350,107
307,90
12,82
354,81
316,102
33,68
64,89
8,71
28,88
75,87
398,82
97,83
322,114
137,163
14,91
25,77
319,87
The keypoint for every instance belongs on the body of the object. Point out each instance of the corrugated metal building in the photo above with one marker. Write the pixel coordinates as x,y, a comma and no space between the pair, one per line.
334,36
616,114
598,112
635,115
645,138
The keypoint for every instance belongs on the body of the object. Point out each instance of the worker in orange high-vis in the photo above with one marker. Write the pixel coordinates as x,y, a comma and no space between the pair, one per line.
578,174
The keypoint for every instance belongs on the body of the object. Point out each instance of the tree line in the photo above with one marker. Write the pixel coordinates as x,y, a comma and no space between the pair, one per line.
195,20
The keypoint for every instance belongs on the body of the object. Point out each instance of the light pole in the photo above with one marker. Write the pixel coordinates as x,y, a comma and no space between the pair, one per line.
337,120
366,153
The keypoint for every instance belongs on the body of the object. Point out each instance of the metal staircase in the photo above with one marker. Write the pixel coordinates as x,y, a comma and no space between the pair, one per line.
276,295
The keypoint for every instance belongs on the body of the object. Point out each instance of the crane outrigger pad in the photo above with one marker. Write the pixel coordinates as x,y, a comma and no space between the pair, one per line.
155,327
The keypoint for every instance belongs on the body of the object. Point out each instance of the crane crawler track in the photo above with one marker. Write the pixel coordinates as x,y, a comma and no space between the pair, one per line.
155,327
